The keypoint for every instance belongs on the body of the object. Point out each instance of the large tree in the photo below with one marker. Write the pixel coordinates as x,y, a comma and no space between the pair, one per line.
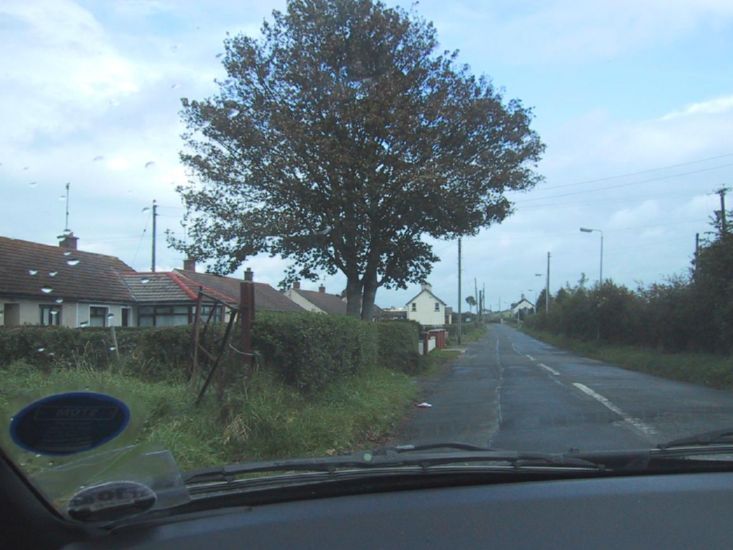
339,140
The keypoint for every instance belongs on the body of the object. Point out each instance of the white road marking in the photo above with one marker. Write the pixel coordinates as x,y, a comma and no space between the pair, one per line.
530,357
549,369
645,429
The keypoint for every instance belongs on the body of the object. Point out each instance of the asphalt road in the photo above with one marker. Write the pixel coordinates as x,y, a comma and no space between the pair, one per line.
511,391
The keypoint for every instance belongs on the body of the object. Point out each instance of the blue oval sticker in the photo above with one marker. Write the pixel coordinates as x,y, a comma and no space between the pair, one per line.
68,423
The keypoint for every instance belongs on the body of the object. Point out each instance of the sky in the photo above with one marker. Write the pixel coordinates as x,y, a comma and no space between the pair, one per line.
634,101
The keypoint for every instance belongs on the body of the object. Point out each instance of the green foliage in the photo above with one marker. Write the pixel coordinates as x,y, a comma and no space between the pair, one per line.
150,352
339,139
308,349
398,341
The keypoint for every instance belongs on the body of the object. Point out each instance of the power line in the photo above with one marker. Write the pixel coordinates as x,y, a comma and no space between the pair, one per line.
626,175
659,178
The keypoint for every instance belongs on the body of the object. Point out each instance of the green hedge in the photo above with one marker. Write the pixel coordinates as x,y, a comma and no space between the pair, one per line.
306,349
398,341
145,350
309,349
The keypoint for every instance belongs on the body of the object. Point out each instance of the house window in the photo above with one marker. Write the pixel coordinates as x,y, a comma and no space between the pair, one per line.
50,315
125,317
98,316
414,306
163,316
217,317
437,306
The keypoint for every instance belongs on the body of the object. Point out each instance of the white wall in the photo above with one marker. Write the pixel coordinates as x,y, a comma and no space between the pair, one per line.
425,312
72,313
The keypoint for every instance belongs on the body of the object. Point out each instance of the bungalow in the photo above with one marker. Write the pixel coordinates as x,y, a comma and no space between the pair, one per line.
61,285
426,308
49,285
320,301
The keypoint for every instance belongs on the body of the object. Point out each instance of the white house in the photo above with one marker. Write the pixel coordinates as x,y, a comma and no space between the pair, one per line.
426,308
522,307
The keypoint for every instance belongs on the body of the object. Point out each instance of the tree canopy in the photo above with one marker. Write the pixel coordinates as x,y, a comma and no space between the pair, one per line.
339,140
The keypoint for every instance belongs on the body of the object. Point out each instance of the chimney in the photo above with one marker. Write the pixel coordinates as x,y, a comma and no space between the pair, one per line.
69,241
322,289
296,285
248,275
425,286
189,264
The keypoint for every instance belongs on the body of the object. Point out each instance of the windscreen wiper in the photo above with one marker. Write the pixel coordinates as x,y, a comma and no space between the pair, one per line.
715,437
424,456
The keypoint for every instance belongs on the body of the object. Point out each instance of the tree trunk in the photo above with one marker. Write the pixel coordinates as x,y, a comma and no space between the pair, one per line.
370,293
353,296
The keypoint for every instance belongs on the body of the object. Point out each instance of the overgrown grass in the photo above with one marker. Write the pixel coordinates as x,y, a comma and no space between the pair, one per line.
715,371
269,420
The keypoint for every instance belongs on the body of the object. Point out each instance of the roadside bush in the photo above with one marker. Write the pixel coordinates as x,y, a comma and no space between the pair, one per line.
308,349
398,342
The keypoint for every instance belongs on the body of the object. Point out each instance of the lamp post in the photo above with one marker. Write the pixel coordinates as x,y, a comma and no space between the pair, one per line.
590,230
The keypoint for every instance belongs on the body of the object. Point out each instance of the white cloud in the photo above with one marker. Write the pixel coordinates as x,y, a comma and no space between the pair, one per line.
710,107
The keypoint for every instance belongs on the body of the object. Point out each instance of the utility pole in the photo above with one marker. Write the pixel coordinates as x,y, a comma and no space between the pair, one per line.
460,316
475,292
723,222
155,215
547,286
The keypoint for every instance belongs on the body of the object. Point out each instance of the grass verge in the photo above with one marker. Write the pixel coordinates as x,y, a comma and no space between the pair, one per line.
710,370
269,420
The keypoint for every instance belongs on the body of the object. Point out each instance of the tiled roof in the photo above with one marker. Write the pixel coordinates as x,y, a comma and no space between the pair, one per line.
159,287
94,277
429,292
266,297
330,303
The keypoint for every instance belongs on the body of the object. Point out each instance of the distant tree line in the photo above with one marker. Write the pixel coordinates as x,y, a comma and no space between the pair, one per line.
685,313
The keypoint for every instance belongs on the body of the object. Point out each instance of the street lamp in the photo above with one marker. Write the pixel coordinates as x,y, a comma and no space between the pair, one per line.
590,230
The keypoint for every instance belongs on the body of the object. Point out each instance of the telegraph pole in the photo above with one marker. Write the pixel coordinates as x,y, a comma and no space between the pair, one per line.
475,292
155,215
547,286
460,316
723,222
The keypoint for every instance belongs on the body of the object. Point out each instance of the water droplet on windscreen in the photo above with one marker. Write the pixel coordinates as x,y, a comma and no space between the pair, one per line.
174,47
149,164
51,354
218,56
174,86
53,273
67,231
145,281
59,300
62,197
46,290
32,271
84,324
232,113
110,316
33,184
40,350
97,158
146,209
112,348
67,253
38,455
25,168
72,261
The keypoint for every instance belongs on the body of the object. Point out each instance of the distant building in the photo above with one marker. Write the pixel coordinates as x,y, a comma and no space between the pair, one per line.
522,307
426,308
